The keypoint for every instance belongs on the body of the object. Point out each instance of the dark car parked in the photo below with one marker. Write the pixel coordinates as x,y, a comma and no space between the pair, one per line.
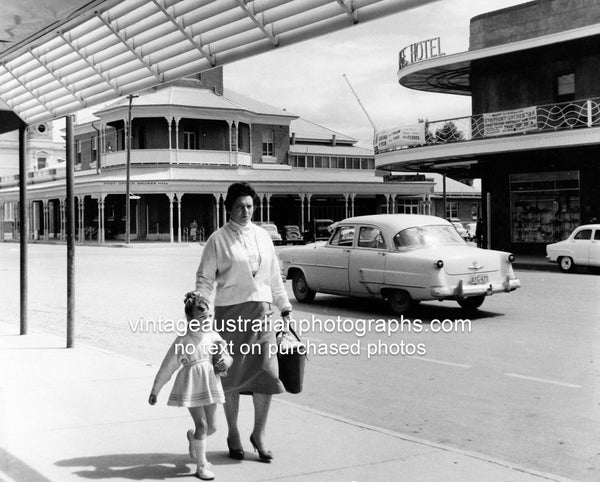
290,234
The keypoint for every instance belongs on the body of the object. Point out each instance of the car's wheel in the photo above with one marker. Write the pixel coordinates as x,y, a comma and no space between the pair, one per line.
400,301
302,291
566,263
471,303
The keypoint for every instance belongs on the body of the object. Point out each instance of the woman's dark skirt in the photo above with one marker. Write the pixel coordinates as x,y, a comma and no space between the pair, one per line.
254,368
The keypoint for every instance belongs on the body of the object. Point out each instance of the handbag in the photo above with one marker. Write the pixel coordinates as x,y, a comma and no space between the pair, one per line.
291,357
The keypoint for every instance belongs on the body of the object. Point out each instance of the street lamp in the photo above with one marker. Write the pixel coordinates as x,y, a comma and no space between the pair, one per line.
128,169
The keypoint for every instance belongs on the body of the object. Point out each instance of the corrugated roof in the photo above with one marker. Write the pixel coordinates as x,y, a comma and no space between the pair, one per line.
310,131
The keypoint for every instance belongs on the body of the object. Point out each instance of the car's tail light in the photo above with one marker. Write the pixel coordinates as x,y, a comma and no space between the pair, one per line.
439,264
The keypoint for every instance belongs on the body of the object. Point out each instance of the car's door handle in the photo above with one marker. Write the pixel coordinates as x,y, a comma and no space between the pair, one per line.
381,253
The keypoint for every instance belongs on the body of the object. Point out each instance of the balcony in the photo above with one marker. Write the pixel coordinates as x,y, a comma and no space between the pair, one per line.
570,123
175,157
140,157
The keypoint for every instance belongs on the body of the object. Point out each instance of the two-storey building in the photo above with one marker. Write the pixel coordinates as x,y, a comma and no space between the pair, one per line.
189,141
534,134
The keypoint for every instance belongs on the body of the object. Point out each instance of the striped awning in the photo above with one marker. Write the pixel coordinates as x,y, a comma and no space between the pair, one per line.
108,49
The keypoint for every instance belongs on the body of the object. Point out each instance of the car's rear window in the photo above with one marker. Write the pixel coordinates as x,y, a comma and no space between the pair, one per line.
427,236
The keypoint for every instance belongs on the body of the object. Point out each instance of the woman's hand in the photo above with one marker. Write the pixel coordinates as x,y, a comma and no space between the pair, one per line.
152,399
286,317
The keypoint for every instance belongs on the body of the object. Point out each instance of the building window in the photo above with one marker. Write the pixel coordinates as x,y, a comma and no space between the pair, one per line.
565,87
9,212
189,140
94,149
451,209
78,152
233,139
41,162
267,142
408,206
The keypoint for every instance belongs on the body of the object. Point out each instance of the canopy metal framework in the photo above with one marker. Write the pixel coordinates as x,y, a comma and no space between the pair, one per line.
112,48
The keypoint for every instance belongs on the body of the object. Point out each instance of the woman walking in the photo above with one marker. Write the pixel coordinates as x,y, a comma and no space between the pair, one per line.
240,259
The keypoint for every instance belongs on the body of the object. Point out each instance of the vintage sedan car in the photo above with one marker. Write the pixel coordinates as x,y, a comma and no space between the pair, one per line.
403,258
272,230
582,247
290,234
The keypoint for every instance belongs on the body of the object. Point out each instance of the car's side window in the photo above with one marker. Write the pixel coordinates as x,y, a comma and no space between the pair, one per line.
370,237
343,236
597,235
584,234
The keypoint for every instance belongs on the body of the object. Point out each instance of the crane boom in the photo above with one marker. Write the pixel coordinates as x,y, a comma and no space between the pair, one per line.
360,103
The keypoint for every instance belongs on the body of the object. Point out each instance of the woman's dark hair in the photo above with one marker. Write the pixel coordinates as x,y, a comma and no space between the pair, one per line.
236,190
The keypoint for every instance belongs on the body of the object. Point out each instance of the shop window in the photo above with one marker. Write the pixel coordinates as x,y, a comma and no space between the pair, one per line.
545,206
565,87
189,140
267,142
451,209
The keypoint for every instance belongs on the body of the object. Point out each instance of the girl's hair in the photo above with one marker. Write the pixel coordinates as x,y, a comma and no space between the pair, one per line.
193,301
236,190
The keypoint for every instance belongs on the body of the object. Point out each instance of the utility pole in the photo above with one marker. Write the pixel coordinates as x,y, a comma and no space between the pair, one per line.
360,103
128,170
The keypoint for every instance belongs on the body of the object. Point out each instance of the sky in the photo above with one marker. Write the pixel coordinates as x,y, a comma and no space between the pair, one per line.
307,79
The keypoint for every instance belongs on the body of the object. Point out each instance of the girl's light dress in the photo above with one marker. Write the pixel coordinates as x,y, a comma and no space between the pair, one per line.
196,383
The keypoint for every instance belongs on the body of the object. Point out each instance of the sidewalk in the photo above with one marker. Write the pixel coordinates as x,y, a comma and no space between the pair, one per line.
82,413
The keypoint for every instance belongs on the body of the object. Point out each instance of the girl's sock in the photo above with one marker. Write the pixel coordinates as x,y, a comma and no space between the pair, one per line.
203,467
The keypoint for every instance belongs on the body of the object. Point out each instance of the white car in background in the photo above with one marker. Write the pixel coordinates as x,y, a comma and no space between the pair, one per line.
403,258
582,247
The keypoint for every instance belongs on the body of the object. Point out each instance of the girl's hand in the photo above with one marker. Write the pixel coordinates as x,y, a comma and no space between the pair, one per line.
152,399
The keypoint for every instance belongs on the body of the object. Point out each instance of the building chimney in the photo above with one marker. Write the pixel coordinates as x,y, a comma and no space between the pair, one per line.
333,140
293,139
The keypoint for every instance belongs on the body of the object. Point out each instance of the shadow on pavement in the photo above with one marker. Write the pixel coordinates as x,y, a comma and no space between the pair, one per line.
150,466
17,469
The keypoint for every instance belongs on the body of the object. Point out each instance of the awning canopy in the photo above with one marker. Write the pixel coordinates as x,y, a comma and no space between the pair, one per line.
105,49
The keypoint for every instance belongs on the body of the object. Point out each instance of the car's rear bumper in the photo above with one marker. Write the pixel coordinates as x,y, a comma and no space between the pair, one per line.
463,290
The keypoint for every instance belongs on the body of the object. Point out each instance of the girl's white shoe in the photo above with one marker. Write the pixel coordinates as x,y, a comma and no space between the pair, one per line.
203,472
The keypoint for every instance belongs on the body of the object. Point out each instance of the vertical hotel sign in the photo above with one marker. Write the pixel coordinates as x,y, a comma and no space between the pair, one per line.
424,50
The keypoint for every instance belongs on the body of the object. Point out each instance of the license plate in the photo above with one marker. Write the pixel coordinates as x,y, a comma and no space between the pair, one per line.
479,279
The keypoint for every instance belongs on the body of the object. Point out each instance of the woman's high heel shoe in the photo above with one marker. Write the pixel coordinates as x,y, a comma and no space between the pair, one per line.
264,456
237,454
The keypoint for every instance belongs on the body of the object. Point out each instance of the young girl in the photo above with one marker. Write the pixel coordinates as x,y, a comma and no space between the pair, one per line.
202,353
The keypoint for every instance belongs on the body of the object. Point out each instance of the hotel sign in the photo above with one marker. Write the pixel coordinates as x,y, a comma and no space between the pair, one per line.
424,50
